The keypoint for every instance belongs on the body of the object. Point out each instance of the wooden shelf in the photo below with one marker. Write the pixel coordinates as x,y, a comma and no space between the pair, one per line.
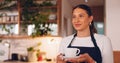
42,7
49,21
26,22
55,6
22,36
52,21
8,22
13,36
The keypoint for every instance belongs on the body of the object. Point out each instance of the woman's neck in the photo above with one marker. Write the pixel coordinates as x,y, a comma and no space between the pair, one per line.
84,33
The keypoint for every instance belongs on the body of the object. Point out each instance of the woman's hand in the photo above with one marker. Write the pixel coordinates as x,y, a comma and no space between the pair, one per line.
82,58
60,59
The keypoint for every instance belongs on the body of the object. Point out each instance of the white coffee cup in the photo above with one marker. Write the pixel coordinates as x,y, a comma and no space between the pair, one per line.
71,52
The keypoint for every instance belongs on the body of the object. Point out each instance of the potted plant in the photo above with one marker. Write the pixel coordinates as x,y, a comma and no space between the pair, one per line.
34,53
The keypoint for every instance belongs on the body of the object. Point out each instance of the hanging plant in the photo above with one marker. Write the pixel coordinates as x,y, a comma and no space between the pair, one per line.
31,12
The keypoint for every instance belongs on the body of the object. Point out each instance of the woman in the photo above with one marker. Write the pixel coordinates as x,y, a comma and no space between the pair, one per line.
94,48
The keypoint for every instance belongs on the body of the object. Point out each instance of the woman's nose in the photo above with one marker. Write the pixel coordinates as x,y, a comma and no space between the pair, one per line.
76,19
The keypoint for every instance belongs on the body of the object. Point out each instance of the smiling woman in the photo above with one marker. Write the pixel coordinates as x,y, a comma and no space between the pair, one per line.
90,44
98,12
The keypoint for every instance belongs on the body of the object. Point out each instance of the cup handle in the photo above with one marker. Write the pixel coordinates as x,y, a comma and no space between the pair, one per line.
78,52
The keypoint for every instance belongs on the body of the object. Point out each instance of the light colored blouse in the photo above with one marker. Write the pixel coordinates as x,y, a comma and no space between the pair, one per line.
103,43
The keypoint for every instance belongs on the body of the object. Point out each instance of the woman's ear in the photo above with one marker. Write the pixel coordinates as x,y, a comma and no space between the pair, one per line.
91,19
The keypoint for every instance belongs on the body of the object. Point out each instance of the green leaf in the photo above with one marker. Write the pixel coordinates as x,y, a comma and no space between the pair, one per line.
30,49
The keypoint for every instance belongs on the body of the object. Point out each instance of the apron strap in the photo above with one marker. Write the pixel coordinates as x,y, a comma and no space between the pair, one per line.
92,37
72,39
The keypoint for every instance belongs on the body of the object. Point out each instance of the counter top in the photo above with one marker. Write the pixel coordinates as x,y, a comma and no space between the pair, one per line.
28,62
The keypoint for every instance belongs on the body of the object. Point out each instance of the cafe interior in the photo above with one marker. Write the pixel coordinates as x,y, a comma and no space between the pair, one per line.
31,30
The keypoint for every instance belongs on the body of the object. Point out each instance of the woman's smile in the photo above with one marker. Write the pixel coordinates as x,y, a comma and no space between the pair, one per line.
77,25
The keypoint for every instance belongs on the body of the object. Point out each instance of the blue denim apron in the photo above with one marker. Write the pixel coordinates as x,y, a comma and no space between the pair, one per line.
94,52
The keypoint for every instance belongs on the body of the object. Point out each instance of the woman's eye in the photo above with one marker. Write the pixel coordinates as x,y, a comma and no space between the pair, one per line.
81,16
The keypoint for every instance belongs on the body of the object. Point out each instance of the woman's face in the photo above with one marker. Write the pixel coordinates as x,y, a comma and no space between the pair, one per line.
80,19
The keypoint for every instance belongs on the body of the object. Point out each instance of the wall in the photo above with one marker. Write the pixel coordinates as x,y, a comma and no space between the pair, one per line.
98,13
113,22
66,14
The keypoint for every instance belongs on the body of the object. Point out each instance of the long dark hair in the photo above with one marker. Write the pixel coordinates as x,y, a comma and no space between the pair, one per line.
89,12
